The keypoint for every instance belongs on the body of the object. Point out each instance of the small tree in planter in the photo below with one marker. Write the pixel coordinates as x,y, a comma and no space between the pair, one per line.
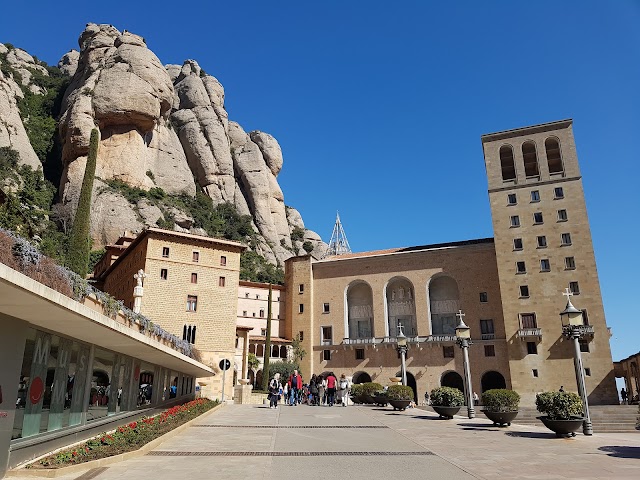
564,412
356,393
501,405
446,401
399,396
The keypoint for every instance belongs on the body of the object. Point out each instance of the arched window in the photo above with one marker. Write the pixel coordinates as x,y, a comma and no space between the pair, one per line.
359,310
554,160
275,351
260,350
189,334
184,332
506,163
444,302
530,159
283,352
193,334
252,348
401,308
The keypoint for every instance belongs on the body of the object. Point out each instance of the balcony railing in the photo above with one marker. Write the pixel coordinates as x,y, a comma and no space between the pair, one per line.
488,336
393,340
530,332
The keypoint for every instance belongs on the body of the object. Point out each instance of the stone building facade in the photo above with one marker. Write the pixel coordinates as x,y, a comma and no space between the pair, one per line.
628,370
346,308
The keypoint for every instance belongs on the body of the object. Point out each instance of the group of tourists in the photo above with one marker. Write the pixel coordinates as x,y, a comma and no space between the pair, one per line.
321,390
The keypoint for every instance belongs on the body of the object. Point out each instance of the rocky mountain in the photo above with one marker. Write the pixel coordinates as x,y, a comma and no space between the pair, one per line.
163,130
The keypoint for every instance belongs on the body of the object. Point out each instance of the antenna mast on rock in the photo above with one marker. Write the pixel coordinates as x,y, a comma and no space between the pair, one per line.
338,245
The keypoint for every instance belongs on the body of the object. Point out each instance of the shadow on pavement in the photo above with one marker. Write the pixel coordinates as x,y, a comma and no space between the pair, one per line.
475,426
621,451
531,434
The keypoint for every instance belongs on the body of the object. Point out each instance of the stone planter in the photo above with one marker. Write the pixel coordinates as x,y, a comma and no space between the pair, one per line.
500,418
563,427
400,404
380,400
446,412
357,399
368,399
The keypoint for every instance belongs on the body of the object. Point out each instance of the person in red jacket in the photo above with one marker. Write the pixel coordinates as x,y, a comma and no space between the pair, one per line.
295,387
331,388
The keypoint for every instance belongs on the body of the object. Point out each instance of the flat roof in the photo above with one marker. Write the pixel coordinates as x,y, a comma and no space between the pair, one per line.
516,132
274,286
44,308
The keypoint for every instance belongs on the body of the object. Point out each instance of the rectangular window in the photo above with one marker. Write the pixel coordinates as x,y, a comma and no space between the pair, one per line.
327,335
484,298
326,355
566,239
524,291
448,352
587,372
585,317
511,199
521,267
164,273
262,313
301,288
517,244
192,303
569,263
574,287
263,332
515,221
222,281
528,320
254,314
301,308
558,192
257,297
545,266
300,335
489,351
325,308
244,313
532,348
542,241
537,218
359,353
194,278
195,257
562,215
223,261
535,196
584,345
165,252
535,372
486,327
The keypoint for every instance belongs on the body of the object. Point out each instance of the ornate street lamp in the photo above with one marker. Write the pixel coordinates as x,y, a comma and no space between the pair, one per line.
572,327
402,350
463,338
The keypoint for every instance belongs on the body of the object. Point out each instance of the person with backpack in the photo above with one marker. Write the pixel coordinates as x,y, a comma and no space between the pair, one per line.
332,383
295,386
274,391
313,390
322,390
344,390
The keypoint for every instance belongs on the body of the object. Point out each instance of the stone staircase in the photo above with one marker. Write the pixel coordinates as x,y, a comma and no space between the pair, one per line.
605,418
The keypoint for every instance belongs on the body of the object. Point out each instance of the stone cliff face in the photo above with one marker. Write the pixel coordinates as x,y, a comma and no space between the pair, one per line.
163,127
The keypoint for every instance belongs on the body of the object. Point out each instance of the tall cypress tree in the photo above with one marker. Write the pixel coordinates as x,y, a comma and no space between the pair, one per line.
267,345
79,246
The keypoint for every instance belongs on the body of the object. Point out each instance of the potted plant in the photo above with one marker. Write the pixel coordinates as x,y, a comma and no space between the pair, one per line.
500,405
399,396
356,393
446,401
380,398
564,412
368,390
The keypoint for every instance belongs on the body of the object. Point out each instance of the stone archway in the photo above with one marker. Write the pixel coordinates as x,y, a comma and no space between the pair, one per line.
452,379
361,377
491,380
411,382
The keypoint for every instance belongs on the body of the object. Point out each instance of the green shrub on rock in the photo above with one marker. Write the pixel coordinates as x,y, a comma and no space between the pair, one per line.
500,400
559,405
447,397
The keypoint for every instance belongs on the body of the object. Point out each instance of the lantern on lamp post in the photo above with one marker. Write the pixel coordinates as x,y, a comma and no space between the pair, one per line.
463,338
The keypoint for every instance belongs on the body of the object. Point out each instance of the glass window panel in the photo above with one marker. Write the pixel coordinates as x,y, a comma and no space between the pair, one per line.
100,384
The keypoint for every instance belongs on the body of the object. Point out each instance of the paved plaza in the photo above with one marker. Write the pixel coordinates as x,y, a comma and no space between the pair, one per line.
238,442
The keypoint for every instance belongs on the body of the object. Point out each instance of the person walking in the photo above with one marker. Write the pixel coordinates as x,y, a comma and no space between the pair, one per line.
313,389
476,399
344,390
426,398
274,391
332,382
624,395
295,386
322,390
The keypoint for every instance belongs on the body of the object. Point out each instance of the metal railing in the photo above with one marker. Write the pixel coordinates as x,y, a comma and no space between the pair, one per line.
529,332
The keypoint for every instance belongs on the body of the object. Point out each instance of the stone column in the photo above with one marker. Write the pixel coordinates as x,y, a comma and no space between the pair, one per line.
245,355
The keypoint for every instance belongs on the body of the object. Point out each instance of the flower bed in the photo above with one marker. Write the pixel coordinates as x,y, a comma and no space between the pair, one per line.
128,437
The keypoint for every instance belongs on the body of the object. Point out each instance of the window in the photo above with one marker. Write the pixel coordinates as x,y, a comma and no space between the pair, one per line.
194,278
524,291
257,297
528,320
574,287
189,333
254,314
585,317
537,218
566,239
165,252
554,160
327,335
542,241
244,313
535,196
301,335
587,372
530,159
562,215
517,244
222,281
192,303
558,193
507,164
521,267
448,352
545,266
326,355
512,199
325,308
584,345
484,298
195,257
569,263
262,313
486,327
535,372
223,261
515,221
164,273
193,334
359,353
532,348
246,295
301,308
301,288
489,351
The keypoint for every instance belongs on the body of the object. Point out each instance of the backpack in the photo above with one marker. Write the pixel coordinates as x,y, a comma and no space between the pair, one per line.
343,384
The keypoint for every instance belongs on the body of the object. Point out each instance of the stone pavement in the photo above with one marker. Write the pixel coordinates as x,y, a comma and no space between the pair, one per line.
366,442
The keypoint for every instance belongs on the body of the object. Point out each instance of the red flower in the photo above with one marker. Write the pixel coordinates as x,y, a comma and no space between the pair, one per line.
133,424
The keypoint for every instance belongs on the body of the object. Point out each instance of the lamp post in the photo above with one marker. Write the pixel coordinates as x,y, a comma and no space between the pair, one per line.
463,338
572,322
402,350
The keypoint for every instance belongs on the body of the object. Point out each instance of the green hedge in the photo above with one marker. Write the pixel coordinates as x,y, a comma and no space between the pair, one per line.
500,400
559,405
369,388
400,392
447,397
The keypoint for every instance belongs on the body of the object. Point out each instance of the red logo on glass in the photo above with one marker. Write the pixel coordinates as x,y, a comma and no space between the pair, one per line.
36,390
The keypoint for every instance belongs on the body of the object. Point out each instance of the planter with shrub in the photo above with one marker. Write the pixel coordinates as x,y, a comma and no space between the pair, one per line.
356,393
368,391
500,405
446,401
399,396
380,398
564,412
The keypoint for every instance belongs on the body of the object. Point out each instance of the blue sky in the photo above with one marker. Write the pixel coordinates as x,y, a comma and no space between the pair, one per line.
379,106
